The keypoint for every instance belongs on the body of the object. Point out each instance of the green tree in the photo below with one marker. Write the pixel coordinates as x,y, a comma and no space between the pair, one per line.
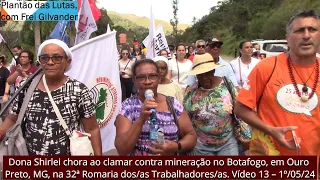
103,22
235,20
174,22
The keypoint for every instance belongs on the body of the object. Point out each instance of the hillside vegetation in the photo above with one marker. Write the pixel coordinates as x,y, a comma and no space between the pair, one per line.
142,21
235,20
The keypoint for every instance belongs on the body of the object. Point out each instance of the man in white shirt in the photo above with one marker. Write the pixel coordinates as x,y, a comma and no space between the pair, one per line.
213,47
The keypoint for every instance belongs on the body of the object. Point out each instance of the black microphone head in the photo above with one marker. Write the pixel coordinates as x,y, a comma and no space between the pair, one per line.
148,93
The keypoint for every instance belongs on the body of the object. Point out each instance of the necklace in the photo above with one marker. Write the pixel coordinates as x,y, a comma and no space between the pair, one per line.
240,74
303,96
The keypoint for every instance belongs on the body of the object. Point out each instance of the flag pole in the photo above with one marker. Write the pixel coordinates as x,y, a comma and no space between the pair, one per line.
154,51
10,51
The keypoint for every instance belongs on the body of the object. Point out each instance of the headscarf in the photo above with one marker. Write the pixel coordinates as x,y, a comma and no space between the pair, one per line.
61,44
160,58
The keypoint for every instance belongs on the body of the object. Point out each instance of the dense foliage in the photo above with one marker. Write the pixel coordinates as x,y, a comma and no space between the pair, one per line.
235,20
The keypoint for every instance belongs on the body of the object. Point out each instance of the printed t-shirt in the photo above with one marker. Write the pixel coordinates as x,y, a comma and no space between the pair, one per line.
280,106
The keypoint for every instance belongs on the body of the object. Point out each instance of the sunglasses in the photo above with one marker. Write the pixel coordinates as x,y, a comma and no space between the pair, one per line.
143,78
125,53
201,46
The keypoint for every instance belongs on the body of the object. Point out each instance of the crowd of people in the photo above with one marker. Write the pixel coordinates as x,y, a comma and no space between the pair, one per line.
204,104
250,105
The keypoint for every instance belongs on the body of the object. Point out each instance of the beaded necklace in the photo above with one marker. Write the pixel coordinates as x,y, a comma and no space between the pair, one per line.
303,96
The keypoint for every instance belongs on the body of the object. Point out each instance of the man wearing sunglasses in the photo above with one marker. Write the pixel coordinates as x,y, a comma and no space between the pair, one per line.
200,47
213,47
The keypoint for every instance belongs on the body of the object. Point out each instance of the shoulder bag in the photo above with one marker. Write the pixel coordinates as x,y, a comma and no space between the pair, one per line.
241,129
14,144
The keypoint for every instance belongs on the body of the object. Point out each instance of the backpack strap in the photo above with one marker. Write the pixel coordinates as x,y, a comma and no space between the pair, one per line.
14,130
170,100
27,97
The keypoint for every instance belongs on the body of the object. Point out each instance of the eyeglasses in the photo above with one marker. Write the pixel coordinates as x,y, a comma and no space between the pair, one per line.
143,78
201,46
57,59
24,56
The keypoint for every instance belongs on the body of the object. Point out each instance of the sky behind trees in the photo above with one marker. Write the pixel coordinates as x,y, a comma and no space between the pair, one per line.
162,8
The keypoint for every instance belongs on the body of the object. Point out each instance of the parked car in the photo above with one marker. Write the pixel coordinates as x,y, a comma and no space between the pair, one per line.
271,47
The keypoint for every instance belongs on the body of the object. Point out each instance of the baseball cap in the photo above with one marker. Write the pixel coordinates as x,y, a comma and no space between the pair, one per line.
214,41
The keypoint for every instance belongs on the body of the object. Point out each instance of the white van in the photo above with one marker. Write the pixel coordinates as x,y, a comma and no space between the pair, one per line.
271,47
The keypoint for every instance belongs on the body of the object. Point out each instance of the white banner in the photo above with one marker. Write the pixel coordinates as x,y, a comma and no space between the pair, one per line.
85,24
95,63
160,41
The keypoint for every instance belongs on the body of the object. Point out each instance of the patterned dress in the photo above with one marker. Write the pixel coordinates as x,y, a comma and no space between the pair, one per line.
210,112
131,109
41,127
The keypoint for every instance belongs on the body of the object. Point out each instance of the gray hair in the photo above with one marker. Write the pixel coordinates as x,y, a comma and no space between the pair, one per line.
301,14
198,41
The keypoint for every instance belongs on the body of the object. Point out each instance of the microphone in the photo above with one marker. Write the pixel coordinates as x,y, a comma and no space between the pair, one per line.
149,94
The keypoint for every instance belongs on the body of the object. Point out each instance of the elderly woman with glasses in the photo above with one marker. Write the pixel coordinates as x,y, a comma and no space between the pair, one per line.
209,105
167,87
41,128
133,122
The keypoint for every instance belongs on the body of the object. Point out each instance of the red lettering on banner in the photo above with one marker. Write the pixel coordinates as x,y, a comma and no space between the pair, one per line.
197,167
83,22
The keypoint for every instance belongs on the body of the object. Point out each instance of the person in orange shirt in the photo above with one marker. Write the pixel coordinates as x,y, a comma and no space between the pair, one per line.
285,91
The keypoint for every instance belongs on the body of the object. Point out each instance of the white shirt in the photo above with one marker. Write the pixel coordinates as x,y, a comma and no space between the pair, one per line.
183,68
125,67
244,68
13,61
225,70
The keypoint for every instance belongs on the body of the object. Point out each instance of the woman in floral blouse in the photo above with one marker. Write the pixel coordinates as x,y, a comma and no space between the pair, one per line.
209,105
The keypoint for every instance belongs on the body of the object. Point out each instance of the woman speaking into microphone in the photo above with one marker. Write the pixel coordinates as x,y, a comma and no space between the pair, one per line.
135,118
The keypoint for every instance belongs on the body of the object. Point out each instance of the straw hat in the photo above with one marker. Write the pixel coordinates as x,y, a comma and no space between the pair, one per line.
203,63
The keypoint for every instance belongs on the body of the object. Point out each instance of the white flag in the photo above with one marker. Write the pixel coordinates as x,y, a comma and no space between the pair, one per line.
108,28
85,24
95,63
151,41
160,42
